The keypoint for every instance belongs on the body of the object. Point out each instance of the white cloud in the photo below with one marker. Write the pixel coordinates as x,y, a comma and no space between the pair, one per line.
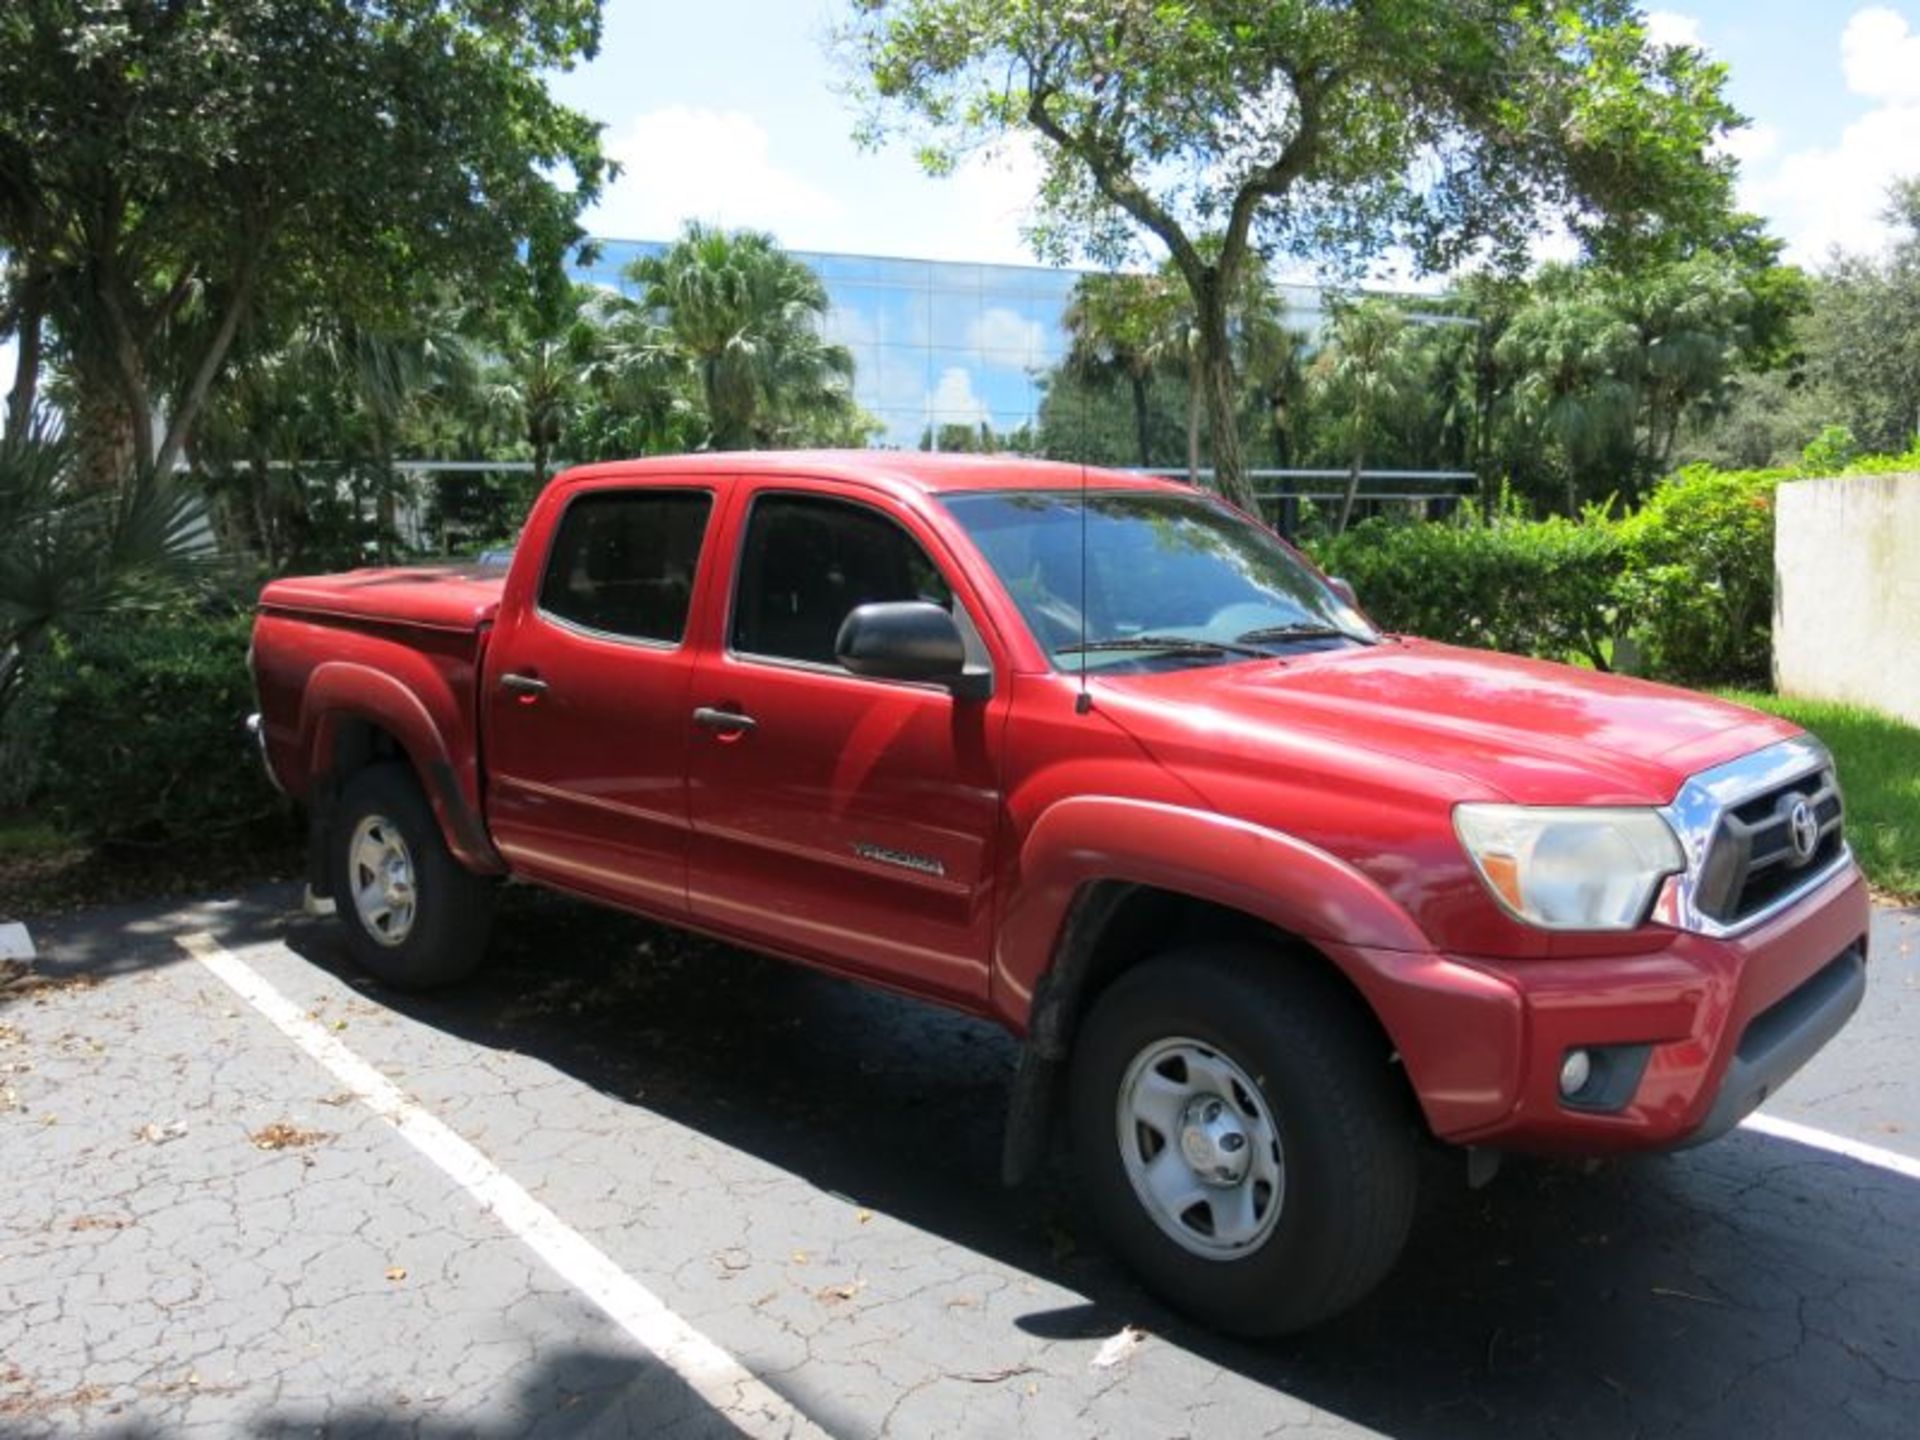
1753,144
1880,55
1833,195
685,162
1007,336
953,402
1822,196
1669,27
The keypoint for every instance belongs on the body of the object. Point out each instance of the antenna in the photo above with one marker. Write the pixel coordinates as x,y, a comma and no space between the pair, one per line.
1083,702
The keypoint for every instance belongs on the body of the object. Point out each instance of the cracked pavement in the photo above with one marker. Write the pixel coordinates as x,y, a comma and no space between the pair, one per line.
805,1170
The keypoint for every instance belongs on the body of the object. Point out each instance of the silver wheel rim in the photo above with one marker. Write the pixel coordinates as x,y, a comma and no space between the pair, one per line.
380,874
1201,1149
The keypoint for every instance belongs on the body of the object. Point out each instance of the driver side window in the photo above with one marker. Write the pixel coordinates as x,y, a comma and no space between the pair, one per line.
807,561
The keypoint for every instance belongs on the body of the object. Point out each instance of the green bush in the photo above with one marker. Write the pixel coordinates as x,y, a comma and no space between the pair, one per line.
137,731
1530,587
1696,585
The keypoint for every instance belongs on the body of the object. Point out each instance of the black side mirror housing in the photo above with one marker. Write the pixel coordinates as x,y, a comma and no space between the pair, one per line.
910,640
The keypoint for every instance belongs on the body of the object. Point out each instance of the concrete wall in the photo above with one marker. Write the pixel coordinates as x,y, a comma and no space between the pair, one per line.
1846,610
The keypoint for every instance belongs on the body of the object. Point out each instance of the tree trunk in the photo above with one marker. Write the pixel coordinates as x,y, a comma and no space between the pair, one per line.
1353,486
1217,383
106,448
26,374
1193,424
1139,383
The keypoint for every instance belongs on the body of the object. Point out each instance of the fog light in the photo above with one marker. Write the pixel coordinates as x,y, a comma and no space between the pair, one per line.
1575,1071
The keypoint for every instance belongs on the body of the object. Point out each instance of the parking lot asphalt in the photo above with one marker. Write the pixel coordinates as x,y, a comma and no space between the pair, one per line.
205,1230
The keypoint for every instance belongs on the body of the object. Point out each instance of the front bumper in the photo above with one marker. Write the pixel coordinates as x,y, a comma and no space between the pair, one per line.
1707,1028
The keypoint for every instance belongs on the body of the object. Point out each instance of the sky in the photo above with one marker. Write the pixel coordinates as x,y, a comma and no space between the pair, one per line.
751,131
730,111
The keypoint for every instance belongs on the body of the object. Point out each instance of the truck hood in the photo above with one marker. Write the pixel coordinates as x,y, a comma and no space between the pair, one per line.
1523,730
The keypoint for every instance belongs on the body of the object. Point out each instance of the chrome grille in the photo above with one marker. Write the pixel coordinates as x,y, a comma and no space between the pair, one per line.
1735,824
1752,859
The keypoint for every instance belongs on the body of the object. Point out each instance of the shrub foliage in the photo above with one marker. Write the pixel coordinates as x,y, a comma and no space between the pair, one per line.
1680,589
138,731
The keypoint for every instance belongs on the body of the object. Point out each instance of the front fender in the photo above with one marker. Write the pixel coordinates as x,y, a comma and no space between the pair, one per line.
1457,1028
1290,884
340,691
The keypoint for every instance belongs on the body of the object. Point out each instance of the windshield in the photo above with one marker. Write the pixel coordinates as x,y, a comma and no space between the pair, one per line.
1171,579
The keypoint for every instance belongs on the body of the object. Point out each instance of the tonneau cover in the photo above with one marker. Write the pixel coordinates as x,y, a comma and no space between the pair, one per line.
441,597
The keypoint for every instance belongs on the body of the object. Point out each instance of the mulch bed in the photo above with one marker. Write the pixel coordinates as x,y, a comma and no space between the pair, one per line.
53,883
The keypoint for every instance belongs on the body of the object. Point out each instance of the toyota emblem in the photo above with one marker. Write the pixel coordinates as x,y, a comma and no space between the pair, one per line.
1804,829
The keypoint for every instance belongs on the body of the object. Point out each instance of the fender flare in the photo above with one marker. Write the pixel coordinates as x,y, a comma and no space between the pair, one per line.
1265,873
339,691
1084,852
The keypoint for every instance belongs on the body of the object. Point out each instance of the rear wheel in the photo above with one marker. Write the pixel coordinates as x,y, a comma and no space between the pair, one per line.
415,917
1241,1138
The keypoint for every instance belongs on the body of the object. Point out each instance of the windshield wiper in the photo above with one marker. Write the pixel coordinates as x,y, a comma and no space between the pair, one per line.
1166,645
1302,630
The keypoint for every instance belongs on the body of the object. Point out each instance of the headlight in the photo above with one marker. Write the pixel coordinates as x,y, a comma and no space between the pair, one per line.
1570,869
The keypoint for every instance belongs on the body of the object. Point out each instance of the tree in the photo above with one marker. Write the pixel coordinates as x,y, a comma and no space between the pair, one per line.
745,317
170,170
1320,130
68,553
1122,328
1863,337
1362,371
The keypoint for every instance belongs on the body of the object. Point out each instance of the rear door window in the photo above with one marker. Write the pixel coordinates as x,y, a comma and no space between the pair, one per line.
623,563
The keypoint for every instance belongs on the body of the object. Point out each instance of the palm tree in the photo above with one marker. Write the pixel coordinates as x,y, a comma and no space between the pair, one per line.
1573,355
1122,327
1363,369
746,317
70,551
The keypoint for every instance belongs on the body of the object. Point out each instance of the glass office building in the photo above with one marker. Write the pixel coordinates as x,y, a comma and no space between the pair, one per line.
938,343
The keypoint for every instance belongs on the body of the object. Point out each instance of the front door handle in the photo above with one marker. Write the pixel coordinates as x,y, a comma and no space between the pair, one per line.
523,684
710,718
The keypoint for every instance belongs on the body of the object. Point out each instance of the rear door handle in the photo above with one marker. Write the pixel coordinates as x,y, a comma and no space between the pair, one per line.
523,684
711,718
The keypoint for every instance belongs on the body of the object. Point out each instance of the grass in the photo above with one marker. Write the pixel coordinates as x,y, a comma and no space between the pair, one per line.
24,838
1879,762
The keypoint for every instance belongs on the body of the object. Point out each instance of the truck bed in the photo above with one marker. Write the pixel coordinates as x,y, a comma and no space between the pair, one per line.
439,597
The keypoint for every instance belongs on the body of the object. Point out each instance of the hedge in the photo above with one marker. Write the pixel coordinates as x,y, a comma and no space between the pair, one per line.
137,731
1680,590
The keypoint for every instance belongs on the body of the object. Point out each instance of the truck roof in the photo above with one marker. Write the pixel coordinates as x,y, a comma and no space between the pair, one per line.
931,474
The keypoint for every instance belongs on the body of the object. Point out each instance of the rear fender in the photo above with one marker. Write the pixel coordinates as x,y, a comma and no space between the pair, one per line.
340,692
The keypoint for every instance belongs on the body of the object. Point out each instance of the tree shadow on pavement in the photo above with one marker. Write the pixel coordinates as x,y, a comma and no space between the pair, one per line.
1753,1286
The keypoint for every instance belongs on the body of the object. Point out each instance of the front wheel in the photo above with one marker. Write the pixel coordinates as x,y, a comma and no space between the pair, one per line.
415,917
1241,1138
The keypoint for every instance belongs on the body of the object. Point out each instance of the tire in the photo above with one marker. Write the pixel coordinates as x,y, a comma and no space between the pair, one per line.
1302,1233
436,916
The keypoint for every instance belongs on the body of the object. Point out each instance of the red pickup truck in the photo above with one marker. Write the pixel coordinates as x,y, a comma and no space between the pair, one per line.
1270,899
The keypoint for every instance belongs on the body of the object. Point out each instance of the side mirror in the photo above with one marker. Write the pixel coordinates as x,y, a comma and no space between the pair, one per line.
909,640
1344,589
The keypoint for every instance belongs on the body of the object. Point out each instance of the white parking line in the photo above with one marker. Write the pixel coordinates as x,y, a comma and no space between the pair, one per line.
716,1376
1835,1144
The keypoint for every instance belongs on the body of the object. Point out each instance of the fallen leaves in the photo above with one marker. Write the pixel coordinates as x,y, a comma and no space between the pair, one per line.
98,1222
396,1273
282,1136
151,1134
837,1294
18,978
